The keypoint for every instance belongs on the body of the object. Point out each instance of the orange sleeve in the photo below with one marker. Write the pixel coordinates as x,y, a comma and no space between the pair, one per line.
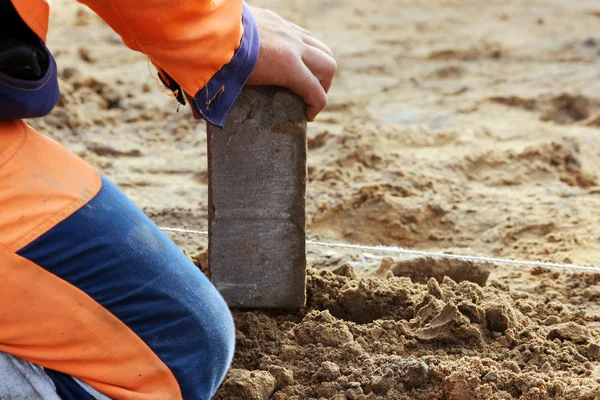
208,47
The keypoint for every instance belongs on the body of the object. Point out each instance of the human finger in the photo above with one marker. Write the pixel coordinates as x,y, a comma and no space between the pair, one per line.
314,42
321,65
308,86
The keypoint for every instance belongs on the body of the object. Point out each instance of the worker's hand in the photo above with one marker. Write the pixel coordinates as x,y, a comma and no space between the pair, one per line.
291,57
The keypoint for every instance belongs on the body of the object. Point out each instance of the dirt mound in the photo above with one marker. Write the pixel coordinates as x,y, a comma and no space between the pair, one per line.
486,50
564,109
420,269
547,162
388,214
390,338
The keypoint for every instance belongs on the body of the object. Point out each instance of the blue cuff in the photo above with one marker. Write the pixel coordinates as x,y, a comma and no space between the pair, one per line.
215,100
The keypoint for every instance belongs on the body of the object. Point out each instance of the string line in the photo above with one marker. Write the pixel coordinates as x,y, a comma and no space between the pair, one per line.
432,254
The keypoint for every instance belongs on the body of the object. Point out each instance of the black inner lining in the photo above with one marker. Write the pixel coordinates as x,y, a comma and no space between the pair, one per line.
21,54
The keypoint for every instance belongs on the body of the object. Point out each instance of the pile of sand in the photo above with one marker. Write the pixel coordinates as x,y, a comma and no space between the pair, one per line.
376,338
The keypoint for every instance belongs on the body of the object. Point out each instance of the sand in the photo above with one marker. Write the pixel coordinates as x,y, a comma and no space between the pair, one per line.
455,125
391,338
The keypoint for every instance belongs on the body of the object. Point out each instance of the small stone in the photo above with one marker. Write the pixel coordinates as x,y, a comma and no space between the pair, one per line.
354,384
569,331
579,358
590,42
146,87
471,311
490,377
354,393
343,381
328,372
70,72
326,390
85,55
413,373
449,326
387,324
434,289
82,17
289,352
546,367
428,309
322,327
283,376
380,385
250,385
507,339
384,267
352,349
345,270
593,352
449,282
551,320
499,317
512,366
457,387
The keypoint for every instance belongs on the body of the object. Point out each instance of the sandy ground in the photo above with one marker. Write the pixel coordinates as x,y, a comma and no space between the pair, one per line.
461,125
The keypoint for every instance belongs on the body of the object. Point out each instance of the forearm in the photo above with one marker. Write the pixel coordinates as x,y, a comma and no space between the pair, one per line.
209,48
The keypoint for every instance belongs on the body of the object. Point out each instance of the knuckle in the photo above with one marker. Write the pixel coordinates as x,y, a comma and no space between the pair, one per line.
291,54
291,61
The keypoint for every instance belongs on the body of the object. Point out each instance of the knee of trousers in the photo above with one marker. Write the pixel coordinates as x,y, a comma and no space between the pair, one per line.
212,341
116,255
123,308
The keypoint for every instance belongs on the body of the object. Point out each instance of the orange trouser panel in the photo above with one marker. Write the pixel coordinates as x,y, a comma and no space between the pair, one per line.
44,319
41,183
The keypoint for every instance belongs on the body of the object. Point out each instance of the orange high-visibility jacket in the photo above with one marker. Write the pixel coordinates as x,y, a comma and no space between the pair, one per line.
206,47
